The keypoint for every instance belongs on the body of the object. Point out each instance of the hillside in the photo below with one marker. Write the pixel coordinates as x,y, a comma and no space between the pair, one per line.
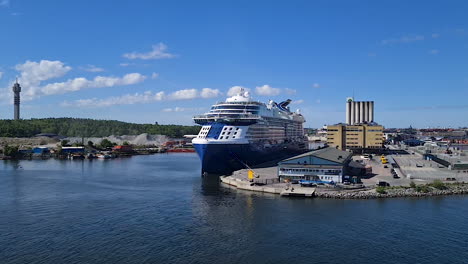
76,127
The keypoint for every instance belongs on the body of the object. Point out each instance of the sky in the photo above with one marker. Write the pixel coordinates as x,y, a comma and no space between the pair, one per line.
165,61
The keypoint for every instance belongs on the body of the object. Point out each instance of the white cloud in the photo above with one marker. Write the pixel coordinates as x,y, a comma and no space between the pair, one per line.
403,39
435,35
434,52
181,109
296,102
209,93
1,75
144,98
33,73
92,68
267,90
184,94
123,64
290,91
236,89
316,85
175,109
4,2
158,52
77,84
318,101
154,75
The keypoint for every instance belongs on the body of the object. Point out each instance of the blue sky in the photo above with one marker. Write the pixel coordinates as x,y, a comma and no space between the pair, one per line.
164,61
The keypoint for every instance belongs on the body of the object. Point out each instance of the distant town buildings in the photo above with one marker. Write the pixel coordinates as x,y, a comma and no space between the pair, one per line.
16,90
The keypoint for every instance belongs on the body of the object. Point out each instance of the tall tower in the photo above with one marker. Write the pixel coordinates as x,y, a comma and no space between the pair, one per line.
16,91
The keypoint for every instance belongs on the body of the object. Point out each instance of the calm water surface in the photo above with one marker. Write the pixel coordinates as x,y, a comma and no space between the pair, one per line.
157,209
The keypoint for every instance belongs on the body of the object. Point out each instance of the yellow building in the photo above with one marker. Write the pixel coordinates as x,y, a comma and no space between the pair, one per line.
355,137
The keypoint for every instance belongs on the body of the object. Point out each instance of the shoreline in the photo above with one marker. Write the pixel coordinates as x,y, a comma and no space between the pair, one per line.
364,194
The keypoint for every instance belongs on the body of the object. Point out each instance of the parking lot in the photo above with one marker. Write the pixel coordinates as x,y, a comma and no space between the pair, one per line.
380,173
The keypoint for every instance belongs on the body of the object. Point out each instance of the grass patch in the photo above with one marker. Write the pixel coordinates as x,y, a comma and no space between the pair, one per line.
438,184
381,190
422,188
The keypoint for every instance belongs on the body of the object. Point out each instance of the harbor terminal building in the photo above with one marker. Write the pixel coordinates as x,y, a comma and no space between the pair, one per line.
325,165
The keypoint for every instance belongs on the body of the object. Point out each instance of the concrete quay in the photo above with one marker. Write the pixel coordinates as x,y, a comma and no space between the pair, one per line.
281,189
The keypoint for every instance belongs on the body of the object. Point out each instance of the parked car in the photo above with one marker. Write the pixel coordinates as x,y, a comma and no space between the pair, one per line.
383,184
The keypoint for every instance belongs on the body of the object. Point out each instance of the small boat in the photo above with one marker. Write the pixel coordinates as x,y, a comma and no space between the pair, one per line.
103,156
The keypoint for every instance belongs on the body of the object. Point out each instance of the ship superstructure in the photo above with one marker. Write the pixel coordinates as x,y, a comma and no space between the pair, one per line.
241,132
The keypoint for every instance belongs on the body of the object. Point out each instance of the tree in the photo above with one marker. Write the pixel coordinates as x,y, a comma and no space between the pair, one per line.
90,144
11,151
77,127
65,143
105,143
125,143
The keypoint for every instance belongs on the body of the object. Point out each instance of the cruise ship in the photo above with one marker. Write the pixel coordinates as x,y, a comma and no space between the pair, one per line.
241,132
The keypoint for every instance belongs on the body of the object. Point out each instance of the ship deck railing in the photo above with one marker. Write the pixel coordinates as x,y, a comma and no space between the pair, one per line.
216,116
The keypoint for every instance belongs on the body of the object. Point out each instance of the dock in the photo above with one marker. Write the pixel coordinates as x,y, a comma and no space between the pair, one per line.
282,189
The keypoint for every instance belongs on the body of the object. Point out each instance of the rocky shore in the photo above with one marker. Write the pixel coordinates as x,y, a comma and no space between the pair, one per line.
395,192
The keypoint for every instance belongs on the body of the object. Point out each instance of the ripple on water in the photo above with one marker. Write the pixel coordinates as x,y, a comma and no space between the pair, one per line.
157,209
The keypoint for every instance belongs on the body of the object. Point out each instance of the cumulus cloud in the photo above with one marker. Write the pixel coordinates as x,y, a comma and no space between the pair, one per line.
92,68
181,109
4,2
154,75
77,84
236,89
33,73
403,39
267,90
144,98
316,85
435,35
1,75
184,94
290,91
209,93
296,102
175,109
264,90
158,52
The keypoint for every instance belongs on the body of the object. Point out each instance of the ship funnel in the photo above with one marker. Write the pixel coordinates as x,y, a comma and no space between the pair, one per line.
284,105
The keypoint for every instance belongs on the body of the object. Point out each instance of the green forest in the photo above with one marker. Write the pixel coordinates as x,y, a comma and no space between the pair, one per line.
76,127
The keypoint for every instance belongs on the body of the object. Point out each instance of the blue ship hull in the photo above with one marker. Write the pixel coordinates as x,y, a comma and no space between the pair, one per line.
223,159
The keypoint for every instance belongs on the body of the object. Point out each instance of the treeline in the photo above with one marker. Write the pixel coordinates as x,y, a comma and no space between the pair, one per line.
78,127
